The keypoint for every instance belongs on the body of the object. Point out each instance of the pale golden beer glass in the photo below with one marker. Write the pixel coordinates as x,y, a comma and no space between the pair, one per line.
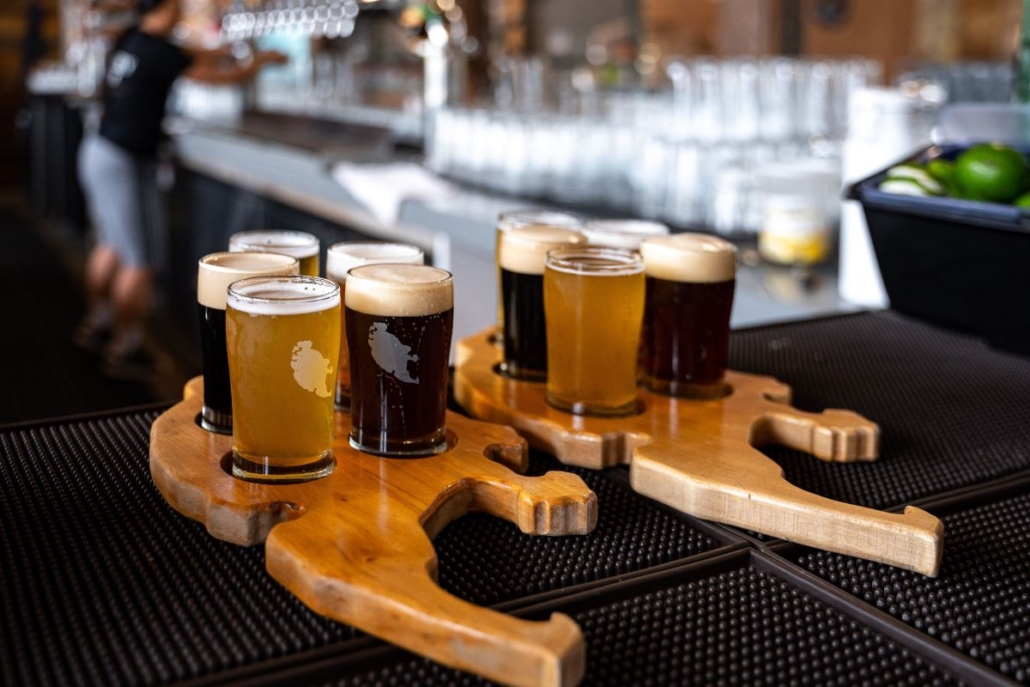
300,244
399,324
520,219
340,258
685,338
214,274
283,341
522,255
594,299
622,233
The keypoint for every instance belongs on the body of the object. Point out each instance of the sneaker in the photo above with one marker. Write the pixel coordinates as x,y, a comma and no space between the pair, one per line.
135,365
92,337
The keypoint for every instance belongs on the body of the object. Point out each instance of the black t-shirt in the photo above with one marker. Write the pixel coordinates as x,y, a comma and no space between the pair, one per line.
139,76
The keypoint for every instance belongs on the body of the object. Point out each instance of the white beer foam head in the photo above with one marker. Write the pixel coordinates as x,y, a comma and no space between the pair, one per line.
524,250
216,271
341,257
299,244
399,290
283,295
622,233
695,258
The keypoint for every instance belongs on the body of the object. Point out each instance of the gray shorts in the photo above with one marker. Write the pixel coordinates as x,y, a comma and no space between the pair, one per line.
123,200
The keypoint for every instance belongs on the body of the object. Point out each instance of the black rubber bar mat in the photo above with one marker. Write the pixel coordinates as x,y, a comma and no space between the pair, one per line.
980,603
735,619
101,582
952,411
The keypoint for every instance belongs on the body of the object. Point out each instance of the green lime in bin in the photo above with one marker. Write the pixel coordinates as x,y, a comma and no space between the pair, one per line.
990,172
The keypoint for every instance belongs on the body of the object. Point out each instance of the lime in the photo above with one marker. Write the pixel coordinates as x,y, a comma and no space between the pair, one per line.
990,172
1023,201
916,174
940,169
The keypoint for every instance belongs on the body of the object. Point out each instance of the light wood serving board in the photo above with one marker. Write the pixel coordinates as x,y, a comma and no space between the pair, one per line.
356,546
700,457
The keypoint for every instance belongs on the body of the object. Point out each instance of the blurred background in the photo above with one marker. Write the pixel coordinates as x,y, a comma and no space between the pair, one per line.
421,121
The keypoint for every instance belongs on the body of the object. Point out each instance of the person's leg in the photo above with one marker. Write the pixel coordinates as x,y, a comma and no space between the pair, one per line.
95,166
132,294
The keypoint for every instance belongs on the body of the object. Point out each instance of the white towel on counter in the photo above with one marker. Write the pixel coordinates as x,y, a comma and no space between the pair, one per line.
383,188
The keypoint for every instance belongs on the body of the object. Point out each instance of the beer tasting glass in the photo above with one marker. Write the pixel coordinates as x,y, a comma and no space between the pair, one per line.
299,244
622,233
594,298
399,321
522,254
685,336
214,274
340,258
283,340
520,219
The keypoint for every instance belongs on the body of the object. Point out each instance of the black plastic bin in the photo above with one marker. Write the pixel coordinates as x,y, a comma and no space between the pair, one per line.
958,263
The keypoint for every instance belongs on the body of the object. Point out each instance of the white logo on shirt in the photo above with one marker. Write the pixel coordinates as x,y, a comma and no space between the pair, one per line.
122,67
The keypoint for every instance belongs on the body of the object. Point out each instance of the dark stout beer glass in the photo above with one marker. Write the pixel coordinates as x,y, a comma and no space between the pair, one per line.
300,244
399,321
340,258
522,256
214,274
685,336
520,219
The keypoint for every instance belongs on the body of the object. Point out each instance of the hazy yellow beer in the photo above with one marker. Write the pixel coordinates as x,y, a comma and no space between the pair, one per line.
594,299
283,341
520,219
298,244
340,258
214,274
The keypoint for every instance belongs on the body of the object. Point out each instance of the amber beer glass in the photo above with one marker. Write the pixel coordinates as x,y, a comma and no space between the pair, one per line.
214,274
399,321
594,298
340,258
685,337
300,244
283,340
520,219
522,255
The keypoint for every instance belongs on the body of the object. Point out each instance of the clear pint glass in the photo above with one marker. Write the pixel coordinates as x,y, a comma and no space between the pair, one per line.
594,298
340,258
283,341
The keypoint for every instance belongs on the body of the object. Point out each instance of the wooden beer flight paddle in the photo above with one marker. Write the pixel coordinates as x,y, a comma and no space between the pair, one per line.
700,457
356,546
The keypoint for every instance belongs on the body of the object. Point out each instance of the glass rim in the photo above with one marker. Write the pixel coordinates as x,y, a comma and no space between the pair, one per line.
635,227
512,219
307,241
623,261
205,264
330,289
340,246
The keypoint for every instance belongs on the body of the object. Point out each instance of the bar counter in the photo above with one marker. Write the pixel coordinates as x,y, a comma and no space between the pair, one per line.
289,161
103,583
